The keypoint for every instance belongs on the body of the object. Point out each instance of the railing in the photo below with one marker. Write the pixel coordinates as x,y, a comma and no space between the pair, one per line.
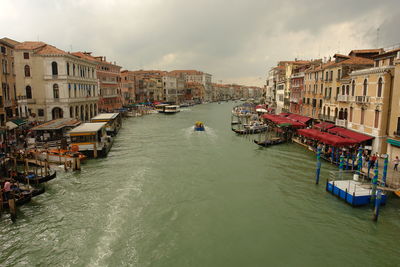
362,99
342,123
342,98
326,117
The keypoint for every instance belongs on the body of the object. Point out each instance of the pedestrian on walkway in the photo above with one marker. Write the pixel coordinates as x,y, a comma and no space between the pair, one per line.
396,162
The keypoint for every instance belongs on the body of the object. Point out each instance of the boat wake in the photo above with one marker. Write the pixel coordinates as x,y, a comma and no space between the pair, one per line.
115,220
209,132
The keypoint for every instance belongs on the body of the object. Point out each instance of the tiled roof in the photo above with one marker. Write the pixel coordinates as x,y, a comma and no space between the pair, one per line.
340,55
364,51
50,50
188,72
357,61
28,45
9,41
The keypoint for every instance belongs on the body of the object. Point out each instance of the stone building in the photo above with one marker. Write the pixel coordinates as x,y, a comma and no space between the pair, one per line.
109,81
8,96
52,83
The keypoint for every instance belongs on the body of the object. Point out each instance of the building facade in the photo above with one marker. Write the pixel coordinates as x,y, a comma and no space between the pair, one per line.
52,83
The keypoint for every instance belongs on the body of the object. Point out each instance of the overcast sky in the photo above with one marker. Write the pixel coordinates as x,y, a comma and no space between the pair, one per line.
235,41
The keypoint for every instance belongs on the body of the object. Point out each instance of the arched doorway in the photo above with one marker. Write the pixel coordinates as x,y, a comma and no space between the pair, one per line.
57,113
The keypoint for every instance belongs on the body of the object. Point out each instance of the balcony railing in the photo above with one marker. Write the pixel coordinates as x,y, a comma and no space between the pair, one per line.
326,118
342,123
362,99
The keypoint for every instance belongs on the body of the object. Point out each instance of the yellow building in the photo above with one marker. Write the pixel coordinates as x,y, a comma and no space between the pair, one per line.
393,140
370,103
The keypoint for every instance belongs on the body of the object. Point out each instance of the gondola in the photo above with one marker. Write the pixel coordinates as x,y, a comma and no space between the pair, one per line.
251,130
271,142
33,178
24,195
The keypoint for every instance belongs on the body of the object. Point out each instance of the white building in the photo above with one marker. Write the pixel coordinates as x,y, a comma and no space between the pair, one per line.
52,83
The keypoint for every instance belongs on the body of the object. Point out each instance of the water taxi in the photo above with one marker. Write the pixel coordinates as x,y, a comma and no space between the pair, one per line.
199,126
91,139
160,108
171,109
59,156
113,120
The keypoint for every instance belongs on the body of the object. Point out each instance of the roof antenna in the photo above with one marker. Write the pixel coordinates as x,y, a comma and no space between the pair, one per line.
377,38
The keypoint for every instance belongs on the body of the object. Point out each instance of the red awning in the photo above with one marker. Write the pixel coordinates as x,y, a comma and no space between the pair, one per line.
284,114
326,138
358,137
282,120
299,118
324,125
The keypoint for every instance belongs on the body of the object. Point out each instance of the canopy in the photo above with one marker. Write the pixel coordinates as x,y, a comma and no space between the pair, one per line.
324,125
284,114
283,120
262,110
326,138
360,138
299,118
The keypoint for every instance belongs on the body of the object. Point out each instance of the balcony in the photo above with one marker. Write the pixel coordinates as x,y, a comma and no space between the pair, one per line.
362,99
326,118
345,98
342,123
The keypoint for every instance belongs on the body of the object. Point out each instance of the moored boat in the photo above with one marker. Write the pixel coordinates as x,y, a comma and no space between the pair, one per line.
270,142
32,178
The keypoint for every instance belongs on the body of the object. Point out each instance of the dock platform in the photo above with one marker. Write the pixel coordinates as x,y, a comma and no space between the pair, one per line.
353,192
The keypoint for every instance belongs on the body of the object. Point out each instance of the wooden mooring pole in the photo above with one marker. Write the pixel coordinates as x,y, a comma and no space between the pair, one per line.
318,171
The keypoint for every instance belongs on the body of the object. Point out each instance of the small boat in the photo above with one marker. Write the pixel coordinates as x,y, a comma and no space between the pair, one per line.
273,141
251,129
397,193
23,194
61,155
32,178
199,126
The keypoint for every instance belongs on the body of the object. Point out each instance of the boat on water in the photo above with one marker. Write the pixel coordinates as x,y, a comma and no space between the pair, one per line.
171,109
199,126
32,178
270,142
91,139
251,129
160,108
113,120
22,193
59,156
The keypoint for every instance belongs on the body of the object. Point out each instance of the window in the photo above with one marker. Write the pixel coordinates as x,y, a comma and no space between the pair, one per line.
3,50
339,74
56,91
41,112
26,55
320,103
322,89
362,116
365,87
331,78
376,121
73,69
54,68
347,89
28,91
343,90
67,68
351,114
27,71
379,94
353,87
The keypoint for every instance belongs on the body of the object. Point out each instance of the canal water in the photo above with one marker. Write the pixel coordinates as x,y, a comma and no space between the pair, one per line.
169,196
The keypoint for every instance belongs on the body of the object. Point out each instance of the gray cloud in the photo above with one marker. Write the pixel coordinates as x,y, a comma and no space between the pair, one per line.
236,41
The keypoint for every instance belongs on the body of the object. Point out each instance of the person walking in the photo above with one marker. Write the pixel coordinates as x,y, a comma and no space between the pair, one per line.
396,162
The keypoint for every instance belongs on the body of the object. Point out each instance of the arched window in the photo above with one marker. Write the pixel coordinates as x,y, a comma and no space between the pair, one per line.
56,91
343,90
27,71
336,112
68,68
28,91
379,88
353,87
341,114
365,87
54,68
347,89
351,114
376,121
324,112
345,113
329,111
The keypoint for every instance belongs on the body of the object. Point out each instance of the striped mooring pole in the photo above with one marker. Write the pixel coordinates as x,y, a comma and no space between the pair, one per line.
374,182
379,192
318,171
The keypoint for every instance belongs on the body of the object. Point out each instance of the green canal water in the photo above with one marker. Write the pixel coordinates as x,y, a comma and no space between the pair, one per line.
169,196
